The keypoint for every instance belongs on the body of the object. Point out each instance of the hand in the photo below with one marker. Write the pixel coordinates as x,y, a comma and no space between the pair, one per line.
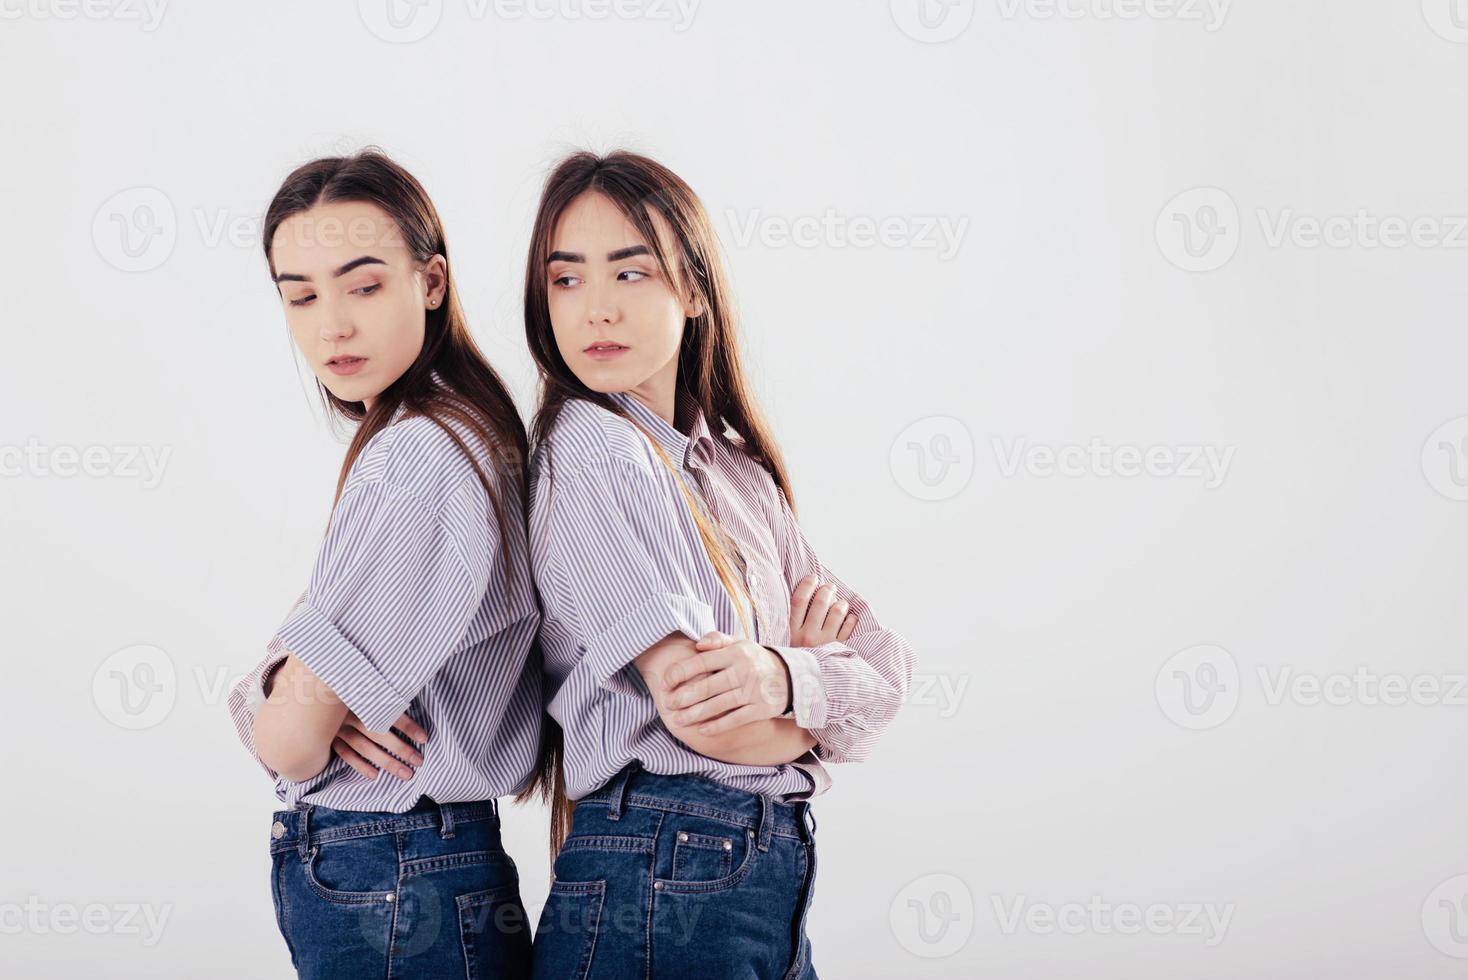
368,752
817,616
726,684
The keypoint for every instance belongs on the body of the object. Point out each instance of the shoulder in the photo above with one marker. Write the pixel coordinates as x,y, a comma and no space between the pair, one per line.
417,457
587,440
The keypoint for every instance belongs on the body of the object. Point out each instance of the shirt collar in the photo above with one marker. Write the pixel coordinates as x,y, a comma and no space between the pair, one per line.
698,442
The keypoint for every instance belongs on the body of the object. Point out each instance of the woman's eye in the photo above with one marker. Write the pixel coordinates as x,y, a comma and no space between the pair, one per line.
565,281
303,300
368,290
638,273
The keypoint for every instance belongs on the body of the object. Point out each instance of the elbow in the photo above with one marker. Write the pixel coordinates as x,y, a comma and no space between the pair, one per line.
286,757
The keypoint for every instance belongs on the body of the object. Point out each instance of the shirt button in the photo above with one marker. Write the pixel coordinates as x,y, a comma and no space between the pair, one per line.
277,830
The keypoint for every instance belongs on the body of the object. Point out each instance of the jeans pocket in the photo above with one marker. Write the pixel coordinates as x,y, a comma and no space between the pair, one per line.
565,939
494,933
363,871
708,856
702,857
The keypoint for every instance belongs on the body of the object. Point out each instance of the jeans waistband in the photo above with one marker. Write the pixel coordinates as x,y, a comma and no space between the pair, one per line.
309,824
765,815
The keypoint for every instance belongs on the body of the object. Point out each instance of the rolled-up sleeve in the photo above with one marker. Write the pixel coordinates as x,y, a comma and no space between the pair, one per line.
391,597
614,546
844,693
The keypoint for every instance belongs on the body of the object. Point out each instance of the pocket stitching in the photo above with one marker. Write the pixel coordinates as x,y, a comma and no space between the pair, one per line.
335,895
672,887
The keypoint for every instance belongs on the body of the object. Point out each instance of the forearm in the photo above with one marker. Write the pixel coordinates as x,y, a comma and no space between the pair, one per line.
296,724
770,742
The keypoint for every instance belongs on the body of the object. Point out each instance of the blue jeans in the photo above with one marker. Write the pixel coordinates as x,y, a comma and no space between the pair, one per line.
425,894
680,877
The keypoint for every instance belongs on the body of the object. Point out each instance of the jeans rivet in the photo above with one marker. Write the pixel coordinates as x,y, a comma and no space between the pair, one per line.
657,886
389,897
277,830
682,837
728,845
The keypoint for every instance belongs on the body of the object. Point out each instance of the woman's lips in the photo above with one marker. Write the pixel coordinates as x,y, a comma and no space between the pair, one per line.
346,365
605,353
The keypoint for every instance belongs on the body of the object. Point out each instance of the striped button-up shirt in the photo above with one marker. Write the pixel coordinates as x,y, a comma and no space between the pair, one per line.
619,564
410,609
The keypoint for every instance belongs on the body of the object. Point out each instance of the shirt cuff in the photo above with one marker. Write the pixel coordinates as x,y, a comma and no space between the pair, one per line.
807,688
315,641
617,646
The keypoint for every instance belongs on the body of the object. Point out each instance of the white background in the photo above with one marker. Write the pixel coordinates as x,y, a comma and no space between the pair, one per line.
1057,750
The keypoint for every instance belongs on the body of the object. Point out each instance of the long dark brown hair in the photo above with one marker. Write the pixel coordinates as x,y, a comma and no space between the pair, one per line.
709,365
471,392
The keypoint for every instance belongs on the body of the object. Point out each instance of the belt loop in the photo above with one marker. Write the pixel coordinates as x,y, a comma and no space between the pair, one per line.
619,791
304,844
766,822
446,819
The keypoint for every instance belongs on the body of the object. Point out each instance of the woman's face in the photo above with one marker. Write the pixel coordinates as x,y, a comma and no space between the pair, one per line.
617,321
354,296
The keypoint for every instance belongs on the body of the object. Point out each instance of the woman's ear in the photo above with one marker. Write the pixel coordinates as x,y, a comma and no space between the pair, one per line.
435,281
693,306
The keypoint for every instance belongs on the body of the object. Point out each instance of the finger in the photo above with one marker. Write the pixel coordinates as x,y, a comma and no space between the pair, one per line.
800,598
402,749
690,667
411,728
836,616
351,758
703,687
820,604
711,708
847,628
731,721
378,756
714,640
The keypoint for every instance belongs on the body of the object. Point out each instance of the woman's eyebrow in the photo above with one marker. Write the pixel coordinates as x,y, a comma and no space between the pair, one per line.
617,256
360,260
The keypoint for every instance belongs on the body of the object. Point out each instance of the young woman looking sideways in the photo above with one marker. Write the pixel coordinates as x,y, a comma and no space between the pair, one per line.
701,662
400,698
